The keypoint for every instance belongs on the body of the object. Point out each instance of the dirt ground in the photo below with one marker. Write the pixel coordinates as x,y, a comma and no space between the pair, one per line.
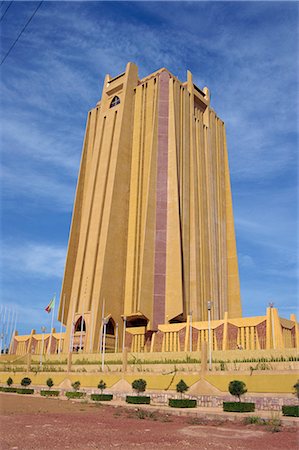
47,423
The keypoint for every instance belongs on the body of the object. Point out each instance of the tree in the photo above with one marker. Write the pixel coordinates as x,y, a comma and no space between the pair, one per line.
237,388
139,385
102,385
182,387
25,381
50,383
296,387
76,385
9,381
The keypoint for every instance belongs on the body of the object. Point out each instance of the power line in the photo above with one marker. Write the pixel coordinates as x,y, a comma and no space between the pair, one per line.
5,10
21,32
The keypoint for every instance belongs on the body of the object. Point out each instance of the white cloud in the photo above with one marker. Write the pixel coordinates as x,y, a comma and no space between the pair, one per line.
34,259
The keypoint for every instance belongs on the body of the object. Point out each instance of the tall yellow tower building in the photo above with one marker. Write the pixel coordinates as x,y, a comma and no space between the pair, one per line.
152,236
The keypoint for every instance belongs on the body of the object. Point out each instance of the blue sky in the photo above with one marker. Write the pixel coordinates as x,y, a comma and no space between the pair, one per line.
246,53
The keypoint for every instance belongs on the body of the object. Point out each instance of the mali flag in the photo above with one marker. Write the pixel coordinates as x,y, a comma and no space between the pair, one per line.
50,305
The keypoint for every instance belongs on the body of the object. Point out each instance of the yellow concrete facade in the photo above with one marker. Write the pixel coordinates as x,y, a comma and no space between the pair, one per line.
152,236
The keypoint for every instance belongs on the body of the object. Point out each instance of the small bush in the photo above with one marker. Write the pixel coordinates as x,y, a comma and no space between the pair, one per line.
26,381
138,400
237,388
102,386
182,403
290,410
238,407
75,394
50,383
9,381
139,385
8,389
76,385
296,389
24,391
49,393
182,387
101,397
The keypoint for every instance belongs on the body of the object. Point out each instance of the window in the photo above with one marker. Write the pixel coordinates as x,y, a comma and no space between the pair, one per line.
115,101
79,325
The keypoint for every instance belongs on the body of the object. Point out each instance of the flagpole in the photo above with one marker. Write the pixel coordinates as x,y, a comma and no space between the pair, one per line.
61,322
72,330
91,330
52,322
82,321
102,326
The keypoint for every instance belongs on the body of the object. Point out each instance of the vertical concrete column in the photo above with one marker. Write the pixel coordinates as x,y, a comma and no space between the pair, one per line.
268,329
125,360
225,332
204,358
29,361
277,330
293,319
69,362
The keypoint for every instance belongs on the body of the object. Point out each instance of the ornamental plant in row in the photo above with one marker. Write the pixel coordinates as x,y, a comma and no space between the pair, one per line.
138,386
181,388
238,388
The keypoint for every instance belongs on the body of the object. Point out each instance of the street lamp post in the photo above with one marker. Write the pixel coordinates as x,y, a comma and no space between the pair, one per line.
42,347
209,331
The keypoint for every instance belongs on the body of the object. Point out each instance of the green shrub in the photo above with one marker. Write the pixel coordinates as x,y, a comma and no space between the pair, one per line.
290,410
76,385
49,393
9,381
8,389
24,391
182,403
75,394
237,388
140,399
139,385
181,387
296,389
102,385
50,383
26,381
238,407
101,397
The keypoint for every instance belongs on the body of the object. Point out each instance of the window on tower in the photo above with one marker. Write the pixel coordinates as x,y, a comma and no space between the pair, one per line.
115,101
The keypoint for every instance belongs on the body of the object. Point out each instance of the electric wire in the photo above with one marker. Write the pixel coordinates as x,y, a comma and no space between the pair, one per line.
21,32
5,10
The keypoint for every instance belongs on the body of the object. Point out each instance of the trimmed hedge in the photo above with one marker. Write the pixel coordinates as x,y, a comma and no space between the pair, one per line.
138,400
75,394
182,403
24,391
101,397
49,393
238,407
290,410
8,389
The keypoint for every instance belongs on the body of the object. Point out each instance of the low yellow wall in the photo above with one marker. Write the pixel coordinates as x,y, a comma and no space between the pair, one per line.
256,383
